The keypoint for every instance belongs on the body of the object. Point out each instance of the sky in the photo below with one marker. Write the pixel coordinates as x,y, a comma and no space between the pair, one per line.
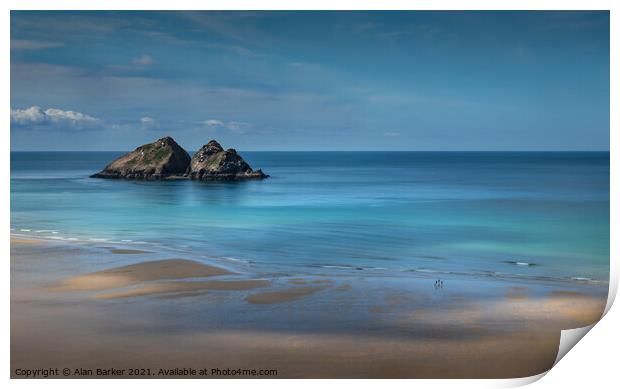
391,80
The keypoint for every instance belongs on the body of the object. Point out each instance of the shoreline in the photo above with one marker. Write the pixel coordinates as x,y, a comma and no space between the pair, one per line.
142,310
143,247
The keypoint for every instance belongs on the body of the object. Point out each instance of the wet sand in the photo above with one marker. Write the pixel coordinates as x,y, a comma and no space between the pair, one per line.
284,295
183,287
128,251
172,313
139,272
23,241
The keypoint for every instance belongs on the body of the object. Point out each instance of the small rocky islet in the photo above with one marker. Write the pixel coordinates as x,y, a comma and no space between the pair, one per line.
165,159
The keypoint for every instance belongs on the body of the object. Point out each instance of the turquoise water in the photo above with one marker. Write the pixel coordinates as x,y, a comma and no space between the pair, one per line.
510,215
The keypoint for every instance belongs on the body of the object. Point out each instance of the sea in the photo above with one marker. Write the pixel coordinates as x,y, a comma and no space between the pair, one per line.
509,215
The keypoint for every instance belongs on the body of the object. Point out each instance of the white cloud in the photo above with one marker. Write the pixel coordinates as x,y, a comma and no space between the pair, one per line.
214,123
148,122
32,115
35,117
144,60
72,116
25,44
238,127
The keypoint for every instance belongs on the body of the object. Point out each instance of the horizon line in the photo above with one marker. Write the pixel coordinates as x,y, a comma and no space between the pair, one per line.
342,151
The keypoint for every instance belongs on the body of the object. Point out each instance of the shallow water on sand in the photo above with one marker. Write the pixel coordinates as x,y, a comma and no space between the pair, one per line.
510,215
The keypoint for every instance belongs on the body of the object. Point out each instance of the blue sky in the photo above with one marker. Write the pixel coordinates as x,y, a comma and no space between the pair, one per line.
311,80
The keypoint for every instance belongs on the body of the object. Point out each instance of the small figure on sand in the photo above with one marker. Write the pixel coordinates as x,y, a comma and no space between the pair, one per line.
439,284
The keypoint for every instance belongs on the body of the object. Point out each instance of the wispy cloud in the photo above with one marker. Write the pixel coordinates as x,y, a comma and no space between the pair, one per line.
143,60
74,23
214,123
233,126
237,49
236,26
238,127
25,44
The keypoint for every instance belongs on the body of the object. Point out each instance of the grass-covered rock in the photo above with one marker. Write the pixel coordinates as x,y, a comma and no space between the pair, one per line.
161,159
165,159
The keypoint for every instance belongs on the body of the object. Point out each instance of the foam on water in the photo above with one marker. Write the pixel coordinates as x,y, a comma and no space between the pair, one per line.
162,249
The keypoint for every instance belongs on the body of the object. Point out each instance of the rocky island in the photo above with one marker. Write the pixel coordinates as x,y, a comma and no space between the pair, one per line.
165,159
212,162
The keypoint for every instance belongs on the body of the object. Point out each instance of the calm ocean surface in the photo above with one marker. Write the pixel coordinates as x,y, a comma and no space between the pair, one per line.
525,215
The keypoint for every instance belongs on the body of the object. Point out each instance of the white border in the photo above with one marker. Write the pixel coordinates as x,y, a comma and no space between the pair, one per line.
575,371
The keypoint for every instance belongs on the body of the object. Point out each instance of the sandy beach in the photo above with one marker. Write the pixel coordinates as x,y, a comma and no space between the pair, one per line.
23,241
160,314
